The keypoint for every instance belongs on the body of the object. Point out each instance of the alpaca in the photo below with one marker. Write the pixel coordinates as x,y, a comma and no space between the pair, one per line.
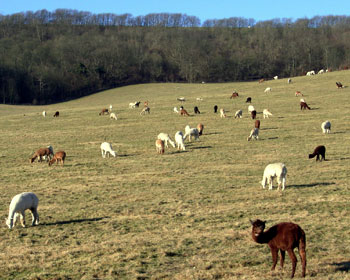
19,204
254,133
103,111
176,110
48,157
339,85
59,156
261,81
298,93
253,114
106,148
234,94
41,153
267,90
275,78
222,113
199,99
215,109
191,132
249,100
289,81
44,114
257,124
326,127
267,113
113,116
200,128
319,151
56,115
183,112
250,108
110,107
196,110
282,237
133,105
303,105
166,138
181,99
144,110
238,114
179,139
160,146
273,170
145,104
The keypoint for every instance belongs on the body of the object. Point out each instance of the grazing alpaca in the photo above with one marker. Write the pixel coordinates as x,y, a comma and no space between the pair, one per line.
326,127
215,109
339,85
176,110
257,124
253,114
19,204
103,111
234,94
267,113
282,237
267,90
254,133
59,156
42,152
250,108
113,116
181,99
238,114
303,105
200,128
249,100
191,132
196,110
222,113
44,113
298,93
144,110
183,112
160,146
179,139
319,151
106,148
199,99
166,138
273,170
56,115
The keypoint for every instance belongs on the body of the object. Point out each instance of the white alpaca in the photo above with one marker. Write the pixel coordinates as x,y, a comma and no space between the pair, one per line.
176,110
144,110
166,138
251,108
19,204
222,113
110,108
181,99
254,133
134,104
106,148
321,71
273,170
310,73
326,127
199,99
238,114
179,139
113,116
267,90
275,78
191,132
266,113
289,81
302,100
44,113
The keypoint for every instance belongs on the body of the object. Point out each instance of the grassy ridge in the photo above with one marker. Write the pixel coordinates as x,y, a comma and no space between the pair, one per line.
183,215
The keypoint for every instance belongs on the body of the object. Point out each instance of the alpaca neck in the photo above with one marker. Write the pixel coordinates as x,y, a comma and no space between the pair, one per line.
264,237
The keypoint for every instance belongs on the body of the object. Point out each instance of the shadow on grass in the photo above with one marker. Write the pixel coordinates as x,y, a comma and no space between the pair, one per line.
212,133
268,128
311,185
202,147
342,266
176,152
73,221
338,132
125,155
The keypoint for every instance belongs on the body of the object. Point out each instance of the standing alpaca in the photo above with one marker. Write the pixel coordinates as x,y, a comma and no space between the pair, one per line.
215,109
196,110
179,139
103,111
56,115
176,110
238,114
267,90
200,128
183,112
282,237
160,146
326,127
254,133
273,170
59,156
319,151
257,124
249,100
267,113
44,114
298,93
289,81
253,114
222,113
19,204
144,110
191,132
303,105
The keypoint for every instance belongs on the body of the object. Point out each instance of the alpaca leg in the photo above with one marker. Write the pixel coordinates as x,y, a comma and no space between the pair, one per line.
36,216
302,255
274,252
15,218
283,254
269,180
294,261
102,153
317,157
283,183
23,219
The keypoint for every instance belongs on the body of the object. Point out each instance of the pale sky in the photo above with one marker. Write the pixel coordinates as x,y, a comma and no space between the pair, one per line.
203,9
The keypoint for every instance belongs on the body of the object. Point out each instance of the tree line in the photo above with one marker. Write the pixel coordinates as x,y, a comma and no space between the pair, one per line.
48,57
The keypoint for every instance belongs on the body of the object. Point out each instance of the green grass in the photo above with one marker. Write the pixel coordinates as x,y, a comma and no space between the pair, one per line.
182,215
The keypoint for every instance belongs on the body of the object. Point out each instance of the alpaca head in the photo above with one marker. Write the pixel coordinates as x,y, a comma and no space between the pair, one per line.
113,153
258,227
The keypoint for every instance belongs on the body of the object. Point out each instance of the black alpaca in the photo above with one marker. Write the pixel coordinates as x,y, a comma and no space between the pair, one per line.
249,100
319,151
196,110
253,114
215,109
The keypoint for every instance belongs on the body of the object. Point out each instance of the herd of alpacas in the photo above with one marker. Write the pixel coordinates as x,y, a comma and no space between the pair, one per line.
281,237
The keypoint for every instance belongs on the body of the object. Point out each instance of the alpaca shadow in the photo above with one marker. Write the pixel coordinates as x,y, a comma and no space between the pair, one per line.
338,132
269,128
176,152
342,266
311,185
212,133
272,138
73,221
202,147
314,108
126,155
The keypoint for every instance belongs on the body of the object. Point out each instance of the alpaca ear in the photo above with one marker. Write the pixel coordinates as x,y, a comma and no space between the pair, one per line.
264,222
251,221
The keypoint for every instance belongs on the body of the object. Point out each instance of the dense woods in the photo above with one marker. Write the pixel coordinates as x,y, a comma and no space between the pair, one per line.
48,57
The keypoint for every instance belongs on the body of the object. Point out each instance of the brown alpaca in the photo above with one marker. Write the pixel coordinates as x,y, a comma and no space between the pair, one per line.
339,85
304,106
261,81
200,128
253,114
160,146
319,151
57,114
234,94
298,93
59,156
257,124
104,111
145,104
283,237
40,153
183,112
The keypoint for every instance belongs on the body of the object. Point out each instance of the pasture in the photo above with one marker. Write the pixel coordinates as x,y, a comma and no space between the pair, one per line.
181,215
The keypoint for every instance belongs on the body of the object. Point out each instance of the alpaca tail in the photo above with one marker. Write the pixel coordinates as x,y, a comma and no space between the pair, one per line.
302,251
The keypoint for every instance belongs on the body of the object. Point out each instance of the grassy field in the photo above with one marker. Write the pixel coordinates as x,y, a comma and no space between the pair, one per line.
181,215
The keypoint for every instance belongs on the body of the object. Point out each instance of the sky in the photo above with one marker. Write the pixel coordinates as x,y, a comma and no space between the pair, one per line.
259,10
